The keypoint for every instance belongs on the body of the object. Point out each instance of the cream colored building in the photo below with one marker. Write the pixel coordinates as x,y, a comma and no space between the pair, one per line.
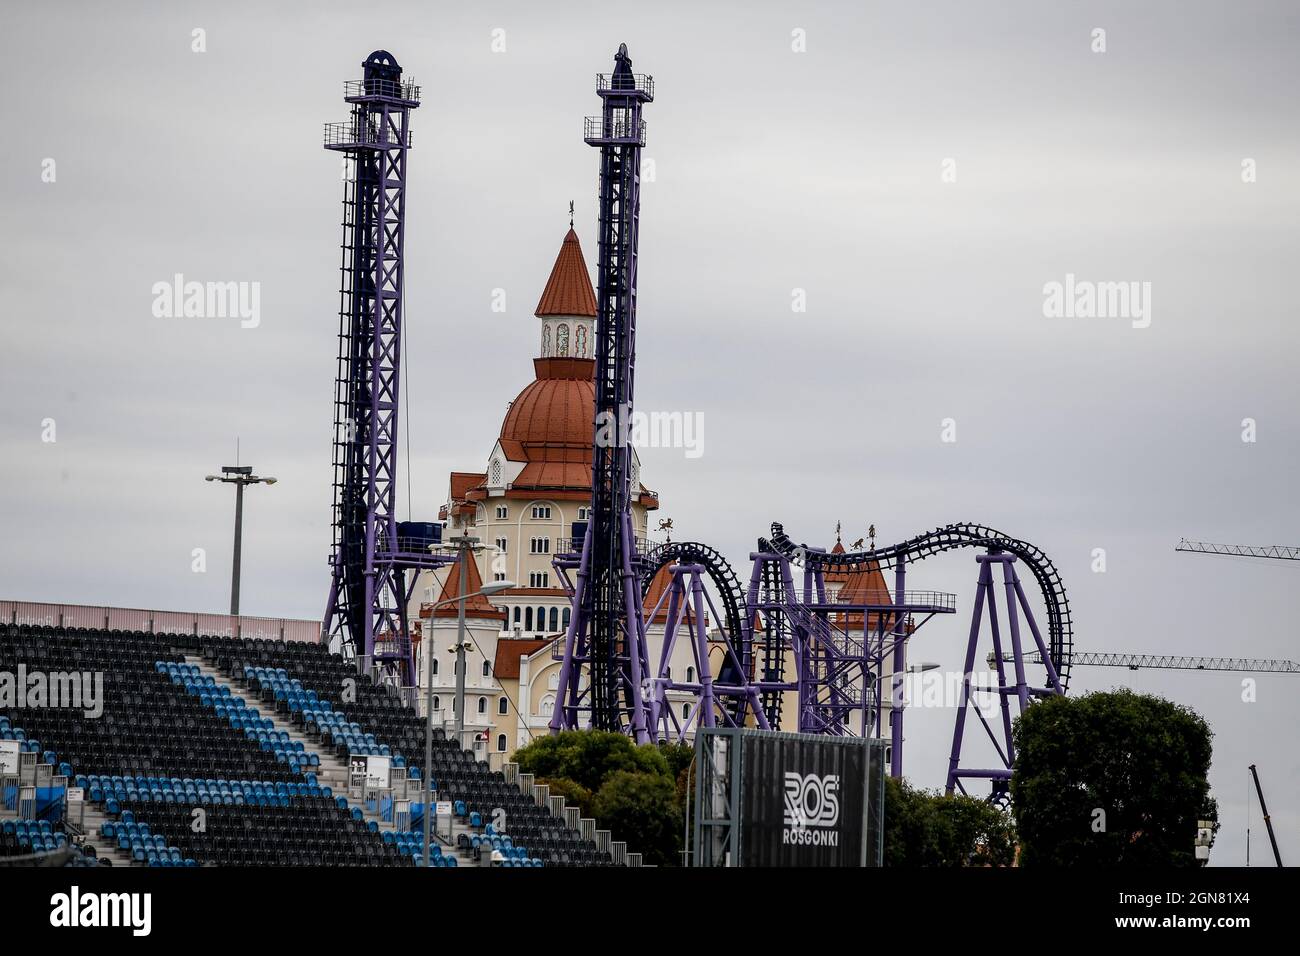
522,507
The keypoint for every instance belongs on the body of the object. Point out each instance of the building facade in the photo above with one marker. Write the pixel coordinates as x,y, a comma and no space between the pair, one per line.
522,507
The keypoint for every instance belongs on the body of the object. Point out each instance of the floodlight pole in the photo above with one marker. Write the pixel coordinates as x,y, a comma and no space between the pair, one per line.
466,545
239,476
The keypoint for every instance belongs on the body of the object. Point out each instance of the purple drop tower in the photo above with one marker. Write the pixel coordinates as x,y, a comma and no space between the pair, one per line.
365,615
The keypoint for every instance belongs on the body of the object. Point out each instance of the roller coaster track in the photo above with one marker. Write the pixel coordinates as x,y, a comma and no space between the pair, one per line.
1060,628
732,596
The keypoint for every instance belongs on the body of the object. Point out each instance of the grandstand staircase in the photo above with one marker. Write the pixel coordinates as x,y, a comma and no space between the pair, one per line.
333,770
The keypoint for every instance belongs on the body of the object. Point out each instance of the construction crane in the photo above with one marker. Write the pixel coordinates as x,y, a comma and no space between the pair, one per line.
1268,822
1279,552
1172,662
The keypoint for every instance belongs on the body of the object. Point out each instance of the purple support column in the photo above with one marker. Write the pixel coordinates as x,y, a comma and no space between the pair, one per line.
896,694
659,707
1013,619
707,716
1004,699
565,715
983,589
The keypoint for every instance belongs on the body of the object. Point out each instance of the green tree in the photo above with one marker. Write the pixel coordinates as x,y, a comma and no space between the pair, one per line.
930,829
618,783
588,757
679,757
574,794
1109,779
641,809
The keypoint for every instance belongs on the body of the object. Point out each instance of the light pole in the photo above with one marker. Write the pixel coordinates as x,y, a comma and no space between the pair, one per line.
492,588
239,476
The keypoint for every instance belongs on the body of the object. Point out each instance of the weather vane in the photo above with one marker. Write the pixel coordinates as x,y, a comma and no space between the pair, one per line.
837,532
871,533
570,213
666,525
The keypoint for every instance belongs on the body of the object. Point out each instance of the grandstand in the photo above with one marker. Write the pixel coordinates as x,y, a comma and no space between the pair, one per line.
234,751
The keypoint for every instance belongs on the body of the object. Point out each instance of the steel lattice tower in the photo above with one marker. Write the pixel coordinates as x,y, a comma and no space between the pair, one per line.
607,632
366,611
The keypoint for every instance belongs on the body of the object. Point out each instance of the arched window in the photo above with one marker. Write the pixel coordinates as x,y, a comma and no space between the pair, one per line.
541,618
496,471
565,618
501,743
482,705
503,704
437,702
553,681
690,675
547,705
686,712
580,341
528,618
555,619
516,613
434,669
487,668
562,339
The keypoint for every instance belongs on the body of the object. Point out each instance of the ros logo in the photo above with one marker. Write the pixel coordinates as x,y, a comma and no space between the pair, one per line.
812,801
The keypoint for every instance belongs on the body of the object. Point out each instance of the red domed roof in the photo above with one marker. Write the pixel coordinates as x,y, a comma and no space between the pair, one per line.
549,425
553,411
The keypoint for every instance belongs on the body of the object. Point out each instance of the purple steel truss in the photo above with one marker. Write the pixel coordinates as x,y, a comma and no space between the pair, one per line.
366,609
1017,687
605,642
729,698
840,667
820,652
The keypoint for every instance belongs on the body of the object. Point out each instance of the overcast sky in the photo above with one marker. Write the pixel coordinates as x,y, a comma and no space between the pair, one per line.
774,170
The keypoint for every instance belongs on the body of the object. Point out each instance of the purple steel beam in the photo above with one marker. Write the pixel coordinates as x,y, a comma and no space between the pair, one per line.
686,595
986,592
896,695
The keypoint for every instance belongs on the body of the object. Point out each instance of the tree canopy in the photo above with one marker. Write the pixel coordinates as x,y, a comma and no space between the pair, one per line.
1108,779
633,791
930,829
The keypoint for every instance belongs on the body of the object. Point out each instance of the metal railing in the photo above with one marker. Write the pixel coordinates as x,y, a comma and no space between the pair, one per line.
352,134
392,89
885,599
618,128
642,544
95,617
625,83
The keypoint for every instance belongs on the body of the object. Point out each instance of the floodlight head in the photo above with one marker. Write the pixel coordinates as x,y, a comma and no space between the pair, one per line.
237,469
495,587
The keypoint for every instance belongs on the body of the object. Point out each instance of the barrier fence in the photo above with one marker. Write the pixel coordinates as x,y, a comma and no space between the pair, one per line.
35,614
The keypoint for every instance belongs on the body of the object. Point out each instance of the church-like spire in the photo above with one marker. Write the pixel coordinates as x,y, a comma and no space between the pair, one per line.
568,305
568,291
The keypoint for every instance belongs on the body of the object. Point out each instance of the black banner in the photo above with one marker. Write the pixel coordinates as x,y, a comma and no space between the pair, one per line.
803,801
